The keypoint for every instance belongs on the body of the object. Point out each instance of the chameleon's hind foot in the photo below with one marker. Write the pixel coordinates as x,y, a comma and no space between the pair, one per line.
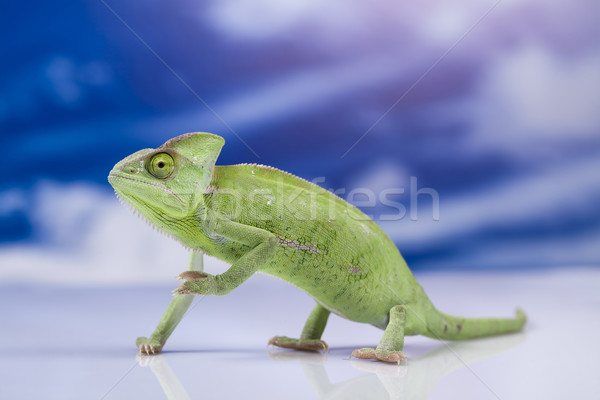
299,344
373,354
147,346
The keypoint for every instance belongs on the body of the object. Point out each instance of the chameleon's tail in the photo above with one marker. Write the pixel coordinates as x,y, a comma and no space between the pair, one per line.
448,327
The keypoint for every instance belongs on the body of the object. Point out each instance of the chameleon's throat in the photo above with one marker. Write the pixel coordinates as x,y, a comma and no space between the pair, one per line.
134,204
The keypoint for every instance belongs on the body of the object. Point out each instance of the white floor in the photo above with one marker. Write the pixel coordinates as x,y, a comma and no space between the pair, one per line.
65,343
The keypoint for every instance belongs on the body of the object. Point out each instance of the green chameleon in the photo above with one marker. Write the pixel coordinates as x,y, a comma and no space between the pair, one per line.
261,219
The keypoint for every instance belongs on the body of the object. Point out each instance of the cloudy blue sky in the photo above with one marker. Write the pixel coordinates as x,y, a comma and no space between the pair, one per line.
491,105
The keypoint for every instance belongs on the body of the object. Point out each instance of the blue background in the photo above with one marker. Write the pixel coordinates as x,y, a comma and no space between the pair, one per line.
493,105
497,112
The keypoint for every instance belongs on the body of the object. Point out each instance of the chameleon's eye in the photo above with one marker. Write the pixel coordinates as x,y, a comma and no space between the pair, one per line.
161,165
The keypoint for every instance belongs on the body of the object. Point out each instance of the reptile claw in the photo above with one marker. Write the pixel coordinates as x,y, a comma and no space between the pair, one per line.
310,345
148,349
373,354
181,290
191,275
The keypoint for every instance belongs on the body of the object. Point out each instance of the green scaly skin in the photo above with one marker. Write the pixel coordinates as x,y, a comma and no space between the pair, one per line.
259,218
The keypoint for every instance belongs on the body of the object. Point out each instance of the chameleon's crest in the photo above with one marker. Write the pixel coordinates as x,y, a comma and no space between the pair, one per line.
201,148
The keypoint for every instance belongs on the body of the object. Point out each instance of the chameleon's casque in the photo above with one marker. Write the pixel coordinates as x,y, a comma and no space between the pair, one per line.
259,218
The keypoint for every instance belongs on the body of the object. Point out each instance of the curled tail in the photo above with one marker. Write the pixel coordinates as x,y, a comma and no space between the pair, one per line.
448,327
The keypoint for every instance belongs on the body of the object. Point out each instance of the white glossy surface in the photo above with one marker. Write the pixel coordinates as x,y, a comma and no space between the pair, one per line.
63,343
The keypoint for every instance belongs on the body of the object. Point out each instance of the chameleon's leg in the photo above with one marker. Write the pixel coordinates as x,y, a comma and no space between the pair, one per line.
262,246
175,311
390,347
310,338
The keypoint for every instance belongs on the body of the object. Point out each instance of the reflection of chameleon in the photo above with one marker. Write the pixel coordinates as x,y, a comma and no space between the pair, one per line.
414,381
259,218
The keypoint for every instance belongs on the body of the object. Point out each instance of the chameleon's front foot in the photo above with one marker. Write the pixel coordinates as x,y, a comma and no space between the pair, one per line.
195,282
147,346
299,344
373,354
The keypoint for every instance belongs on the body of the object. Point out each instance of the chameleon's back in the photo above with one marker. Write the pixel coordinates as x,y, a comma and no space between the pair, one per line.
327,246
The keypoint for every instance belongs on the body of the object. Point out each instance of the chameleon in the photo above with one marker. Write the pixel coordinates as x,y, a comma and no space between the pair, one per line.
258,218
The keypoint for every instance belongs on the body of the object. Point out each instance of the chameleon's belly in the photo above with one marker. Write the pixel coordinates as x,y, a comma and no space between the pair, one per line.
361,288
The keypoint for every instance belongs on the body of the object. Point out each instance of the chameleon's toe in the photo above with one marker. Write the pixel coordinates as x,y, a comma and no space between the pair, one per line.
307,344
392,357
182,289
146,346
364,353
191,275
186,277
373,354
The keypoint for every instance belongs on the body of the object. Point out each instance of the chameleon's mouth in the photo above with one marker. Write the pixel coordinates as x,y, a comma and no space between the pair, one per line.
116,176
112,177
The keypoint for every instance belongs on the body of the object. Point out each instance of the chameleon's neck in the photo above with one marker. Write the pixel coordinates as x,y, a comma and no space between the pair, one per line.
195,229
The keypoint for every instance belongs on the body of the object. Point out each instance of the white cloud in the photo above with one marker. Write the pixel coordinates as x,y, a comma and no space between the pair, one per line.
564,191
364,24
533,95
383,175
94,240
264,18
528,253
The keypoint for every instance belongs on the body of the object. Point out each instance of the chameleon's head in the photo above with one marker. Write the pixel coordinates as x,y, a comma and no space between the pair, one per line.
170,180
